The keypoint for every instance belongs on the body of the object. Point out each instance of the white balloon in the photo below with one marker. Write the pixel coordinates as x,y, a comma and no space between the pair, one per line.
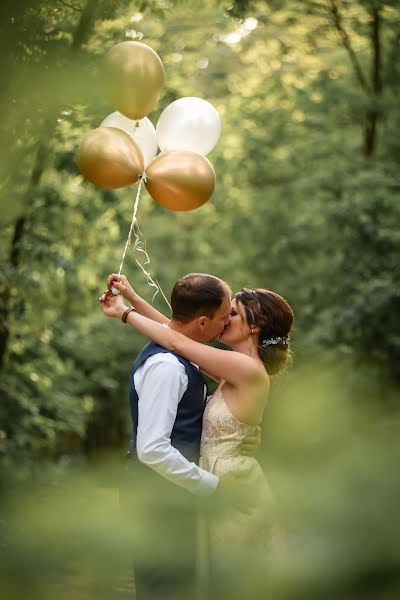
144,134
189,124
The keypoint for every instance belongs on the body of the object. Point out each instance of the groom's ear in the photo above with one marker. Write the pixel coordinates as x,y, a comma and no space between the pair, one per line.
202,322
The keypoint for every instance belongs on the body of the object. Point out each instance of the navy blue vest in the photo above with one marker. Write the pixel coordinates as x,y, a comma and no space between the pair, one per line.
186,432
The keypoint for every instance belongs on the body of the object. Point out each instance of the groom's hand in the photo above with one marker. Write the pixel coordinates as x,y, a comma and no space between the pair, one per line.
251,444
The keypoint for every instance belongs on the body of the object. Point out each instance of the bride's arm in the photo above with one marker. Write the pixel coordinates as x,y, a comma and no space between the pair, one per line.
234,367
121,283
142,307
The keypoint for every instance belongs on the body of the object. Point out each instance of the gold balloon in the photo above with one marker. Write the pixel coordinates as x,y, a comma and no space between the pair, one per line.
180,179
110,158
135,77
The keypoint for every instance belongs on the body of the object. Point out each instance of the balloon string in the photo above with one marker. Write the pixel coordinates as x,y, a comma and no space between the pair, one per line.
140,246
135,207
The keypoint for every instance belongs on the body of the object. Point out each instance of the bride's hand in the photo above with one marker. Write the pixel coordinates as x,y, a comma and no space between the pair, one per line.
121,283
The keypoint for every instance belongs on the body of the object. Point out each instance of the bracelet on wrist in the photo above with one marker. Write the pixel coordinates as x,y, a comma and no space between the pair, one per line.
126,313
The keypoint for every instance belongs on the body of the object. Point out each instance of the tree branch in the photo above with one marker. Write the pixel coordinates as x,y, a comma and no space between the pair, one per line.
338,21
68,5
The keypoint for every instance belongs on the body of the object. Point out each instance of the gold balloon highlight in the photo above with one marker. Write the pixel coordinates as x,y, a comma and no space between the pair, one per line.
180,180
110,158
135,77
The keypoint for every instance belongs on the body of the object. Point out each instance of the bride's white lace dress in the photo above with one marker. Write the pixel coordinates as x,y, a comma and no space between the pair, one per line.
248,528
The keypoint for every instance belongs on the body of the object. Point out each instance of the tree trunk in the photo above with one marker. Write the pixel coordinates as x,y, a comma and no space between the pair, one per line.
85,24
82,33
373,115
15,254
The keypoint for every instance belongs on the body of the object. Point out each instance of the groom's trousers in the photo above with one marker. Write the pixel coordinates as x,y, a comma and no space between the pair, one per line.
162,518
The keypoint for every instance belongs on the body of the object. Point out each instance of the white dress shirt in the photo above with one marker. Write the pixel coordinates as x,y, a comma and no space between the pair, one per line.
160,383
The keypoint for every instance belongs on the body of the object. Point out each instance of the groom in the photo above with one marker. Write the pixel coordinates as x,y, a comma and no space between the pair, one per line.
167,396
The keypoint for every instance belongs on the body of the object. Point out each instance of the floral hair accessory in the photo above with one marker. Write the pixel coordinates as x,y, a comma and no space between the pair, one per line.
275,341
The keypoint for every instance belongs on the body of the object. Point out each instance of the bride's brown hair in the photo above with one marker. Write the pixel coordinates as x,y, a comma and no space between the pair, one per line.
273,315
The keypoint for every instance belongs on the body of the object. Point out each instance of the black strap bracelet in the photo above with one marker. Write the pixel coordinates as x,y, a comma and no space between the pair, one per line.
126,313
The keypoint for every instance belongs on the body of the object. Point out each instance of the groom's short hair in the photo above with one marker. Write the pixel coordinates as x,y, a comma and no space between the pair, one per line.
197,294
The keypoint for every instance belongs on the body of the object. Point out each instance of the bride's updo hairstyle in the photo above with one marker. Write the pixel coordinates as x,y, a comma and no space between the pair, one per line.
273,315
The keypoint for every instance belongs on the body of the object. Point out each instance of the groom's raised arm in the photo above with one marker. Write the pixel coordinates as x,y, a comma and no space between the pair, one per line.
160,383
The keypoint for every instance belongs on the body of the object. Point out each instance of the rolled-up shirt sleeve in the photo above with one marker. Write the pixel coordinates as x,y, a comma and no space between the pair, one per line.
160,383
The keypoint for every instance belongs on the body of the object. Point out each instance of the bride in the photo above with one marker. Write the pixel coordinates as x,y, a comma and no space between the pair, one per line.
258,333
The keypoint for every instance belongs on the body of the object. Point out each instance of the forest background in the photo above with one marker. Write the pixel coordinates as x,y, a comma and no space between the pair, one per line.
307,204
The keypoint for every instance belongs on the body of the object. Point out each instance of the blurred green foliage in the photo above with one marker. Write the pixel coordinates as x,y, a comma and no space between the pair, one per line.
307,204
336,493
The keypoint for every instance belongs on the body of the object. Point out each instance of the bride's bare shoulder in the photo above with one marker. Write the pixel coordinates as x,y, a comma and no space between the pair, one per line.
255,369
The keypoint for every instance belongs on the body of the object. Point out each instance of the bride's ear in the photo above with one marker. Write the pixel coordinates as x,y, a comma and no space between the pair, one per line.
255,329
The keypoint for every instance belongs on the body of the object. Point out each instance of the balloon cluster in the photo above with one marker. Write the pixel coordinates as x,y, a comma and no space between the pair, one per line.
123,149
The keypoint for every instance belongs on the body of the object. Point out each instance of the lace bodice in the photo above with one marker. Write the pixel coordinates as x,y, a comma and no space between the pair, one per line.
222,433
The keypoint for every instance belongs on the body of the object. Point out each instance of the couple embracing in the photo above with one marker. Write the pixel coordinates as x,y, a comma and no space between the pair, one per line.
194,446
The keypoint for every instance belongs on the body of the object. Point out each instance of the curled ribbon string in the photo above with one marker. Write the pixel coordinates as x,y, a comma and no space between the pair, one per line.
140,246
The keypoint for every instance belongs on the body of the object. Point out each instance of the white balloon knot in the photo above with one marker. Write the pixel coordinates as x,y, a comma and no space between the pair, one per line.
143,177
114,291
